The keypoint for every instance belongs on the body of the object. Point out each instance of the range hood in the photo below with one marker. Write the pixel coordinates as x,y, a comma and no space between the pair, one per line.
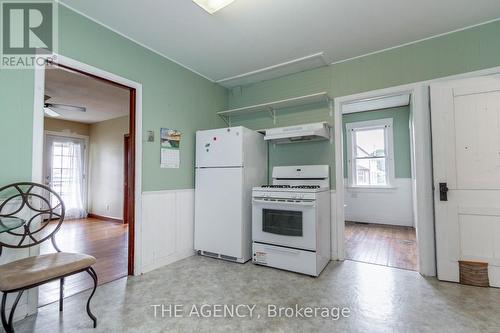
299,133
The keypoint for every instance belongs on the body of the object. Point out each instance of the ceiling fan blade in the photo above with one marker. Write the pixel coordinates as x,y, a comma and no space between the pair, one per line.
51,113
64,107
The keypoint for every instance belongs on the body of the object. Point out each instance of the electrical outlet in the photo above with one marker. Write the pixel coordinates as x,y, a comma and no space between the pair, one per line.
107,208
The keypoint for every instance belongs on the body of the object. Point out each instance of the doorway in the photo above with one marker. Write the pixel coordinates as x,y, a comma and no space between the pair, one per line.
420,169
86,118
379,227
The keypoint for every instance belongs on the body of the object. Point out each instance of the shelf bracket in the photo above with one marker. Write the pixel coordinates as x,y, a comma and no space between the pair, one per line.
272,112
227,120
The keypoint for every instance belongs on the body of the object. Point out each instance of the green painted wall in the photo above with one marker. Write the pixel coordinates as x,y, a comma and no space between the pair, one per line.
460,52
172,97
175,97
16,126
401,133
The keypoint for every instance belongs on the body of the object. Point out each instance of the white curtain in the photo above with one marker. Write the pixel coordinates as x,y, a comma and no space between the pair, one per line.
66,172
73,189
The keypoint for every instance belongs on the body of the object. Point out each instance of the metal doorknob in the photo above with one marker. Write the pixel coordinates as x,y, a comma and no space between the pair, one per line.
443,191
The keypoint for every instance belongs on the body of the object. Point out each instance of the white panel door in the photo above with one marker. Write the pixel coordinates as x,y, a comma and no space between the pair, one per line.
466,157
218,211
220,147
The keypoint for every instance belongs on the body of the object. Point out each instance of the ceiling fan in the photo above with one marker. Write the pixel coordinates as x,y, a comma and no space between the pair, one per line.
51,109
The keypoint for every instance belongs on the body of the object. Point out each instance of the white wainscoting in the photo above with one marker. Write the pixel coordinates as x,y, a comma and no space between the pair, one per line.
167,227
386,206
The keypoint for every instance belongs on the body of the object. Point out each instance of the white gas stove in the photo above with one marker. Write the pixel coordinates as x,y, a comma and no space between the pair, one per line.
291,220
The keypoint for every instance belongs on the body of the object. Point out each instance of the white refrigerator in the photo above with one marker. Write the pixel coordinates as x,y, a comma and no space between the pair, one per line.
229,163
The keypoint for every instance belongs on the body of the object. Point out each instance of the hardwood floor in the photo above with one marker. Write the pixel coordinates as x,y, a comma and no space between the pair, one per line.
105,240
380,244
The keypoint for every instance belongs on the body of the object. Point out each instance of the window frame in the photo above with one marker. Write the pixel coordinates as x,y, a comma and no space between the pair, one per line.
351,128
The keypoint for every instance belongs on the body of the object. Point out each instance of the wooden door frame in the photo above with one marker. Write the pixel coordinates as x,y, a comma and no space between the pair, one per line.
37,150
126,177
131,182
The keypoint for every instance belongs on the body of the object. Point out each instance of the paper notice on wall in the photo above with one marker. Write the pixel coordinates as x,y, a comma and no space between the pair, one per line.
170,156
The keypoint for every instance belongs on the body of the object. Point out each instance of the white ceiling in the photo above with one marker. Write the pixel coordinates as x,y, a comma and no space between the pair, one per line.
103,100
250,35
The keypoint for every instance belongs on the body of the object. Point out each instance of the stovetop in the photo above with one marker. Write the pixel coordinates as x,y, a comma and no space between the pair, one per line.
309,187
291,188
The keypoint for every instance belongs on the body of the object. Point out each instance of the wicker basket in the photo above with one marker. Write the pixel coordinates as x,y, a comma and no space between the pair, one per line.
474,273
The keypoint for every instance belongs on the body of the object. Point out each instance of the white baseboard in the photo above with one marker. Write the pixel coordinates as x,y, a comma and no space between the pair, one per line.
378,220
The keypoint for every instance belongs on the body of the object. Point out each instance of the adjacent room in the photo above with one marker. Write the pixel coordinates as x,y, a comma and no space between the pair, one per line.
249,166
380,227
86,138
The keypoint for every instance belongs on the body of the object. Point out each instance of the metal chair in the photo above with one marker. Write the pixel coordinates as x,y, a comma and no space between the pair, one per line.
37,205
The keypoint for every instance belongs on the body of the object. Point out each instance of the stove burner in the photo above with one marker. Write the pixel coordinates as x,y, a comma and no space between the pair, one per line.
306,186
276,186
290,186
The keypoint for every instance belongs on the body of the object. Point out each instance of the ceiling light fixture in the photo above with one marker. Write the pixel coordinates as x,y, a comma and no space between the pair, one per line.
211,6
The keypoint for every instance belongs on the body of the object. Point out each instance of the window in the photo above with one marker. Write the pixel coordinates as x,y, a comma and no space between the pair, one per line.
370,153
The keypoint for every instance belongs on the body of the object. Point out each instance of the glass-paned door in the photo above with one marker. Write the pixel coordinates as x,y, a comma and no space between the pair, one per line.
65,172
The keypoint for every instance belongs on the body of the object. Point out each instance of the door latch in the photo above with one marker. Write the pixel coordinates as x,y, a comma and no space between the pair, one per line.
443,191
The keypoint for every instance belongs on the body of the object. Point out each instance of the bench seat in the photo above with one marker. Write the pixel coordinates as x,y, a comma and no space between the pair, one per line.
36,270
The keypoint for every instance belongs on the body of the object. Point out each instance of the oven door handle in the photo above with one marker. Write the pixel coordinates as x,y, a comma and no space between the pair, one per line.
289,203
